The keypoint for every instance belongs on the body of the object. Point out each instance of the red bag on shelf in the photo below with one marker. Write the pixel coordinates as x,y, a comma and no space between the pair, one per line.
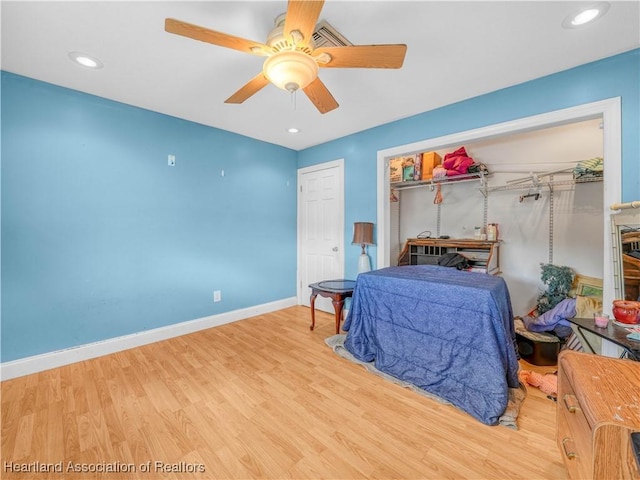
458,162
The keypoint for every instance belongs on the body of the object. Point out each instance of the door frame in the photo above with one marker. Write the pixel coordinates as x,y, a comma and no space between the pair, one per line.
339,163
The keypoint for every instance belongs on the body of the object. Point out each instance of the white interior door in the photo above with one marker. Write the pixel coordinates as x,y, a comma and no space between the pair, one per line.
320,228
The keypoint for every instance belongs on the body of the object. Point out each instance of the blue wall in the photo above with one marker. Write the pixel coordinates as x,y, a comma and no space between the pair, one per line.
101,238
617,76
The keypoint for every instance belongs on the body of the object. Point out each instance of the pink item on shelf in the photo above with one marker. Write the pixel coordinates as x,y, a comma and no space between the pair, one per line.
439,172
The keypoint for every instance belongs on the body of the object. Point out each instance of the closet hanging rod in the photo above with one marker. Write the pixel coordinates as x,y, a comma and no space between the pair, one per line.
535,177
624,206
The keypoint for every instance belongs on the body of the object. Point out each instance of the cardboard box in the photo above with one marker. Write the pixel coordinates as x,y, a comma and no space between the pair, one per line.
408,171
409,165
430,160
395,169
405,169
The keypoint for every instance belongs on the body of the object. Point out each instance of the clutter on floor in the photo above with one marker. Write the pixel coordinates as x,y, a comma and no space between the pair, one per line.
537,348
547,382
546,330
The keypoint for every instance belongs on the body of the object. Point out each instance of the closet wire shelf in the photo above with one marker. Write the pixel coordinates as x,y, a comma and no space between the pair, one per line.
531,186
467,177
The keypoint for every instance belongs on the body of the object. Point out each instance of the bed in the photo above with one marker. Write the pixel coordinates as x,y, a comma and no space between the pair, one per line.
446,331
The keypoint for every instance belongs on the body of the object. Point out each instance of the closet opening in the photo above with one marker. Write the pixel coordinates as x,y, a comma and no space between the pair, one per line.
568,224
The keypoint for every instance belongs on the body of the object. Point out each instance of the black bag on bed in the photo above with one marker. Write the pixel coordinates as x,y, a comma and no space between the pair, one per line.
453,259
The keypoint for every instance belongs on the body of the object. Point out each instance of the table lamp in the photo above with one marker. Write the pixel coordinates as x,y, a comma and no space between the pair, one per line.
363,235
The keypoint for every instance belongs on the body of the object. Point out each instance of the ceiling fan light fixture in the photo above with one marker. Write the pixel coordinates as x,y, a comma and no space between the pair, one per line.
292,61
290,70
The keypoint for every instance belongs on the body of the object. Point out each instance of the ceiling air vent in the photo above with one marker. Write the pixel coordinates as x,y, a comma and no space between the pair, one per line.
327,36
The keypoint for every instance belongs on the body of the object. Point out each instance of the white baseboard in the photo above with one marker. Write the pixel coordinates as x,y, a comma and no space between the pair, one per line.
46,361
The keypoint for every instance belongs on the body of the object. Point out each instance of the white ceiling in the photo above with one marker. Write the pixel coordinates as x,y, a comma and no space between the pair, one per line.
456,50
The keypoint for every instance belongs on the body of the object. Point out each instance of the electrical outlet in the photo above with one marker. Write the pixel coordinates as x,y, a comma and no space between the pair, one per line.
217,296
171,160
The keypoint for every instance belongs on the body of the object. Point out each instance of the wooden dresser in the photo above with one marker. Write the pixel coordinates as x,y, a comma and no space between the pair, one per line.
483,255
598,408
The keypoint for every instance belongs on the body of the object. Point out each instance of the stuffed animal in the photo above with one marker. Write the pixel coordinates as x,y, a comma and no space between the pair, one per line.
547,383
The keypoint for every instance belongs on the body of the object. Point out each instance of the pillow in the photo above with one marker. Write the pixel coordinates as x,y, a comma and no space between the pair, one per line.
587,306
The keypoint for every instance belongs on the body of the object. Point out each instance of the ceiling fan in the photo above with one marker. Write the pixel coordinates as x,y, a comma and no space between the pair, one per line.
292,60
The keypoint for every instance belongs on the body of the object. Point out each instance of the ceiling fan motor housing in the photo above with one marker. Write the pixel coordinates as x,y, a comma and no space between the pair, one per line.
278,41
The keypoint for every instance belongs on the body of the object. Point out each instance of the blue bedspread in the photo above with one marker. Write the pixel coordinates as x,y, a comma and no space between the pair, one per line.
446,331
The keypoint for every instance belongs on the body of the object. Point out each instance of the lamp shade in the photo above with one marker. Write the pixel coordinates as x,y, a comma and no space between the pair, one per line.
363,233
363,236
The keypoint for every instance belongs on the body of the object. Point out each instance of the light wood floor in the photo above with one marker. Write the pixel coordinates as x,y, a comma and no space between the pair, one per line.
260,398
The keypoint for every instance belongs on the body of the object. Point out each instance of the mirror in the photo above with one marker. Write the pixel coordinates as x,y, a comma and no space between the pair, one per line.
630,241
626,254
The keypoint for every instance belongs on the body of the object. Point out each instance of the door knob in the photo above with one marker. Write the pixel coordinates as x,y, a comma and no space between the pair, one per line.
334,249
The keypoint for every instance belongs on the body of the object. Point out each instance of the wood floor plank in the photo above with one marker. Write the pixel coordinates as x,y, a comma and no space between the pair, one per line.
13,390
54,446
80,401
39,441
93,433
260,398
9,424
24,436
71,440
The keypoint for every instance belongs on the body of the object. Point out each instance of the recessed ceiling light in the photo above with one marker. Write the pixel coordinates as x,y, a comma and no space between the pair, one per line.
585,15
293,130
85,60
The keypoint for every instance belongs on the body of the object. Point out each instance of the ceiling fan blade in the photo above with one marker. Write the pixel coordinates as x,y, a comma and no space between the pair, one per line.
202,34
302,16
363,56
320,96
254,85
